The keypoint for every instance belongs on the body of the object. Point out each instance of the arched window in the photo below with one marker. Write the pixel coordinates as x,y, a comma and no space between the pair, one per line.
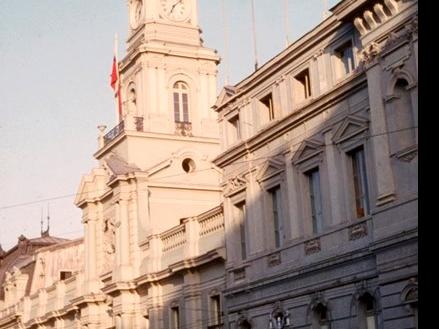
181,102
400,118
320,318
366,312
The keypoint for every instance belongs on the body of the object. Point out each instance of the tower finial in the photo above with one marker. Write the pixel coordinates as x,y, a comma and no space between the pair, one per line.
41,229
48,219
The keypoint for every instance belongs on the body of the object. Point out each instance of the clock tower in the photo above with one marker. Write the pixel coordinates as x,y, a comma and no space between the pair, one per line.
168,76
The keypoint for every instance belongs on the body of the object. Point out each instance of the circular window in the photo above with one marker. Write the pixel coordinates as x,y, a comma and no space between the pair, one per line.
188,165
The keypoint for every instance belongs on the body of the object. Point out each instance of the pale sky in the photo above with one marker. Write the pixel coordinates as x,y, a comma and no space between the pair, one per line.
55,60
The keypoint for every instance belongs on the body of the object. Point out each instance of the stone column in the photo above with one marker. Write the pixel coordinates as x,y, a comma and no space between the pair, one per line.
380,145
295,228
334,180
192,301
124,264
89,221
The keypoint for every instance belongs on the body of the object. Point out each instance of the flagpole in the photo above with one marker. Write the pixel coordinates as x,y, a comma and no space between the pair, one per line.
254,34
116,103
226,46
287,39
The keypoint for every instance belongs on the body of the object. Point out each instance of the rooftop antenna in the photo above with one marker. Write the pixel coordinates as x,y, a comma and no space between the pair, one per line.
287,37
226,46
254,34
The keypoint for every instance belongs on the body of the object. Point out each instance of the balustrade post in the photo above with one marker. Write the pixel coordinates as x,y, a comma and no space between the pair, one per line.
155,246
192,227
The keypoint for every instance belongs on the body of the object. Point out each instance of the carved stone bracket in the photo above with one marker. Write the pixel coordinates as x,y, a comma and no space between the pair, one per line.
312,246
408,154
358,231
239,274
369,53
274,259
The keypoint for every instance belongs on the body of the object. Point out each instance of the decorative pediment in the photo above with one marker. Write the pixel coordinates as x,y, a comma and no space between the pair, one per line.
410,292
307,150
226,93
92,185
350,127
269,169
235,185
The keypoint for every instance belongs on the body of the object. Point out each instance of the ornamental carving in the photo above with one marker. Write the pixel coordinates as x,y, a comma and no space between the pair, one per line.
358,231
370,52
312,246
235,184
109,229
274,259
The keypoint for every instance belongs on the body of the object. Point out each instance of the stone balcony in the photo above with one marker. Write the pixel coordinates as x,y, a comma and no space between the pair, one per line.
196,236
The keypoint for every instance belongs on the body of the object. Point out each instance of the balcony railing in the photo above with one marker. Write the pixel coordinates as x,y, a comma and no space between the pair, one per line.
183,128
113,133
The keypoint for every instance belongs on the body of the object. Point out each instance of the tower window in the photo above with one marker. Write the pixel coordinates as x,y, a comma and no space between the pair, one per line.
181,102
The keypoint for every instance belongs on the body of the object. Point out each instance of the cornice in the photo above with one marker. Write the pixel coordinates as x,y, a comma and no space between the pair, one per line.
185,264
283,125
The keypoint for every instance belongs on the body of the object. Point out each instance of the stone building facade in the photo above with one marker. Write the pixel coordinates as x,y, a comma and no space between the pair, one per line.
291,204
319,159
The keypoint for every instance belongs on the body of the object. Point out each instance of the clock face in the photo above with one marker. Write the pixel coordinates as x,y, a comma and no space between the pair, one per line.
176,10
136,13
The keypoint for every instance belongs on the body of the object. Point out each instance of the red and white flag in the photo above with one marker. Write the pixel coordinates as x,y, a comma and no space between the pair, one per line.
115,82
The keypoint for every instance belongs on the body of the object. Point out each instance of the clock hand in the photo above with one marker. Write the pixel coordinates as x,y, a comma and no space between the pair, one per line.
179,1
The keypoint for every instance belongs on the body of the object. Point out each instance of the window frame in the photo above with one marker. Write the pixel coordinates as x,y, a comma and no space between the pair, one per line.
364,181
317,222
339,70
174,310
182,112
296,73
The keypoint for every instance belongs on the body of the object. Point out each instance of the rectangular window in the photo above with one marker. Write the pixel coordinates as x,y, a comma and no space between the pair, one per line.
215,310
360,182
345,57
64,275
241,217
175,318
267,103
276,206
302,88
236,129
316,200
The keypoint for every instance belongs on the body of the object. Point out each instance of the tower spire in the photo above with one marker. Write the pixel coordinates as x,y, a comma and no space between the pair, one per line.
48,220
41,222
